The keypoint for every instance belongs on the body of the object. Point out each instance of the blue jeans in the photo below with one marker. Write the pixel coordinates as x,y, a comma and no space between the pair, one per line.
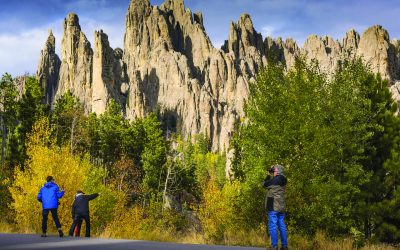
275,221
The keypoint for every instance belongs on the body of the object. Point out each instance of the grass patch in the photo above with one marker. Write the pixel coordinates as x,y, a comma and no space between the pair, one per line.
7,227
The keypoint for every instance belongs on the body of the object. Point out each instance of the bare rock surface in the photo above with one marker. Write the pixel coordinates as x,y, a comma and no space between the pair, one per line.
76,70
169,65
49,68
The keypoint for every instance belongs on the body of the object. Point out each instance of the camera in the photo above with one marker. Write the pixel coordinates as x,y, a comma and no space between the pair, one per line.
271,170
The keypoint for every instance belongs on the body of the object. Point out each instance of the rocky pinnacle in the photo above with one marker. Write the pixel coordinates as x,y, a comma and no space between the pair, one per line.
169,64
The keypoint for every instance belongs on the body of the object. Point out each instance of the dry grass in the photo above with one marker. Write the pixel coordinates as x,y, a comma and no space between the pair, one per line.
193,238
249,238
255,238
379,247
6,228
321,242
296,242
154,235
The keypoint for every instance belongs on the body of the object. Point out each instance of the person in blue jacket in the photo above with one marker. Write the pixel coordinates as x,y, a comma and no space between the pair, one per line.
49,195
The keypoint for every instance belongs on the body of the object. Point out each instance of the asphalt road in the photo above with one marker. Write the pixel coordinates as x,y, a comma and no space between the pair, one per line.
33,241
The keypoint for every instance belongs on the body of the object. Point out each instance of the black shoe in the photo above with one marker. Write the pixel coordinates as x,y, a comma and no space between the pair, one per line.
60,232
284,248
43,235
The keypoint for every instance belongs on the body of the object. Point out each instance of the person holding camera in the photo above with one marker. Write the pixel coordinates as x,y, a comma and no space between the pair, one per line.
49,195
275,182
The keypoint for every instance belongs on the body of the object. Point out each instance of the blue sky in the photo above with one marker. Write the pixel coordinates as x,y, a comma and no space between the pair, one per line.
24,24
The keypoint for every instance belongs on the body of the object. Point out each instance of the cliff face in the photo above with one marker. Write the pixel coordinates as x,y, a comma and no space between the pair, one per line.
172,66
49,68
109,76
76,71
378,52
169,64
374,46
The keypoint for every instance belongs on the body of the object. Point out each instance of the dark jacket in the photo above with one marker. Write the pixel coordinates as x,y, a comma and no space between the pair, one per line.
80,207
49,195
275,199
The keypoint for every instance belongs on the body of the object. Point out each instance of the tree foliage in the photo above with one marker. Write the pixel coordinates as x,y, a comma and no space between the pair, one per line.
154,154
29,109
330,135
8,119
70,172
338,136
68,121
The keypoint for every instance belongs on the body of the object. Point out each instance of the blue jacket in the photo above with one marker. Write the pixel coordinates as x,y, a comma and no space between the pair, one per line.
49,195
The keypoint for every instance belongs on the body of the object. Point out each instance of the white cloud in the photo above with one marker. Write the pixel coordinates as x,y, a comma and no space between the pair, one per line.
218,44
90,5
267,30
114,31
20,52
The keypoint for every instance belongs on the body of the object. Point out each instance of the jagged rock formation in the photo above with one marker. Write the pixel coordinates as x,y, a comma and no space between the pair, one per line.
19,83
350,43
76,62
378,52
324,50
48,68
170,65
108,74
245,43
282,51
